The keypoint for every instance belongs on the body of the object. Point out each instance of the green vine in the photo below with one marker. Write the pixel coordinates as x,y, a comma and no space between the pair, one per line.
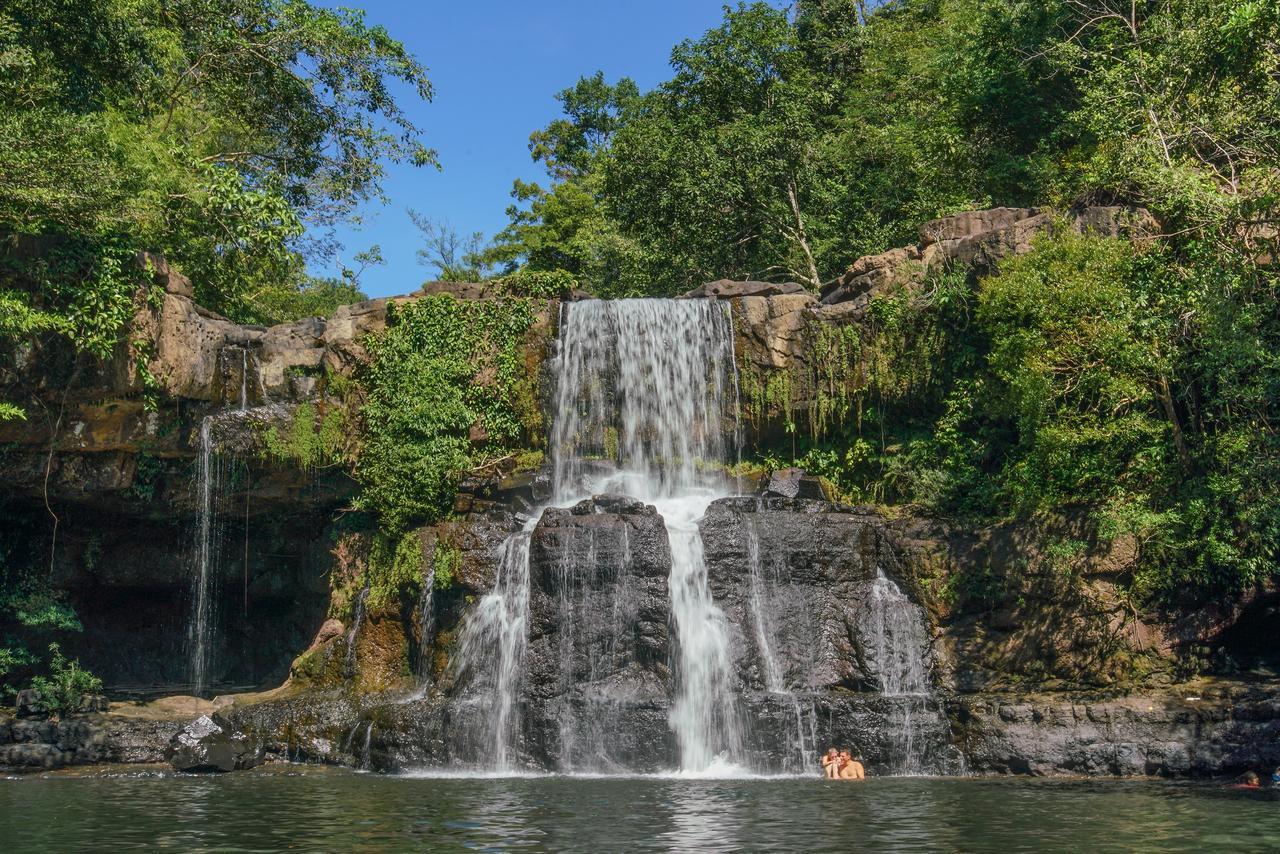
452,387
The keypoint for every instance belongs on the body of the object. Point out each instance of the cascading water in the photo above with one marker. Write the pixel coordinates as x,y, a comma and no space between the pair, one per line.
802,740
643,384
209,478
645,408
493,647
642,409
199,628
899,640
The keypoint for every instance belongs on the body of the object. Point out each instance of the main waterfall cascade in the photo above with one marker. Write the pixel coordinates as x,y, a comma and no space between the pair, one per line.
645,413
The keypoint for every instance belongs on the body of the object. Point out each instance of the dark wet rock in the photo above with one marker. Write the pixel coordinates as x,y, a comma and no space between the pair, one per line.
44,744
797,581
28,705
311,726
211,743
598,600
1167,734
727,288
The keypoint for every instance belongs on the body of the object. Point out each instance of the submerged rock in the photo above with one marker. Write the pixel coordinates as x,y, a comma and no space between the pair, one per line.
210,743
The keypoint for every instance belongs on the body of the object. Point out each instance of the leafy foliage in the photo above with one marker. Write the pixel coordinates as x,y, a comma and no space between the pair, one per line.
447,391
210,130
66,686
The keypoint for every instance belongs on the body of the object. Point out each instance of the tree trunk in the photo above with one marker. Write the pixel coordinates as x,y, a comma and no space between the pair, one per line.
1179,441
815,281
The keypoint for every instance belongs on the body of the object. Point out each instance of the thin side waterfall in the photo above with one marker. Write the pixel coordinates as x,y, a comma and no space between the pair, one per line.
244,378
804,737
357,620
208,544
199,628
426,629
774,681
494,643
900,638
645,397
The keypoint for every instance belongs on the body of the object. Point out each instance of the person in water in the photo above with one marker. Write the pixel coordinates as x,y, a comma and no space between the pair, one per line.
831,764
1248,781
1275,779
850,768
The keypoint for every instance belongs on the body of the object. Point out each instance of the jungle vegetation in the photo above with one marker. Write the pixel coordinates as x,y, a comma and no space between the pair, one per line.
1138,384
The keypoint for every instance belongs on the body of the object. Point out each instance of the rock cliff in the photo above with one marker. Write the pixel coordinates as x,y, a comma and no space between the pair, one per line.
820,597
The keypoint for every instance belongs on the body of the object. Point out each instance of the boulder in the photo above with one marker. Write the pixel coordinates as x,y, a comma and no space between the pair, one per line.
971,223
210,743
797,483
28,704
727,288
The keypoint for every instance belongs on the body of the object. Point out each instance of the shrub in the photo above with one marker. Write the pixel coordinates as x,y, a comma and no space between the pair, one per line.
66,686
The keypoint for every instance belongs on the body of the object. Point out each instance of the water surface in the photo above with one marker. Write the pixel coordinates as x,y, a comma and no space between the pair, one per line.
324,809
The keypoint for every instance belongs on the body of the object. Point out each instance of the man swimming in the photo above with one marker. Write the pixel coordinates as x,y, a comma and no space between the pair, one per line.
850,768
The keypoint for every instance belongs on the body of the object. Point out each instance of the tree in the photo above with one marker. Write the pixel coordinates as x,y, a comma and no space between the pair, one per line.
455,258
211,130
721,170
564,227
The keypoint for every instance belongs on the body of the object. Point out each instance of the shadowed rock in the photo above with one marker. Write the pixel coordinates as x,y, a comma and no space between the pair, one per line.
209,743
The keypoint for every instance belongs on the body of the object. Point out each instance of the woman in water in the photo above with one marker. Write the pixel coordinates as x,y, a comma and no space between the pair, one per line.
831,764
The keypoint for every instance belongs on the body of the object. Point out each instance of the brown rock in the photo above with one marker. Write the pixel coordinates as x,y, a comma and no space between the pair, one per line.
726,288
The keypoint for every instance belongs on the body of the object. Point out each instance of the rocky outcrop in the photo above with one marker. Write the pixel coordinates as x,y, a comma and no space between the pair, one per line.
728,288
1201,730
38,745
974,240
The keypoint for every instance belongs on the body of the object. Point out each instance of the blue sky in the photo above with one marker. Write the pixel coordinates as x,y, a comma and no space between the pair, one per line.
496,66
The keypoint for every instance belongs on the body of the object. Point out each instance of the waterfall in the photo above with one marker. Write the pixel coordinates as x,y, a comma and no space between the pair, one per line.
774,681
646,392
899,643
642,385
426,630
244,378
200,626
357,620
208,542
802,740
900,638
494,642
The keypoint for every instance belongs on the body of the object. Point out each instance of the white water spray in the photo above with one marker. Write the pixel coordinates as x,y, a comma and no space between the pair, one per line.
199,628
642,409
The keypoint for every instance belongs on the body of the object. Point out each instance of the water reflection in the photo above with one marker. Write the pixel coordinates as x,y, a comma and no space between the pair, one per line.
298,808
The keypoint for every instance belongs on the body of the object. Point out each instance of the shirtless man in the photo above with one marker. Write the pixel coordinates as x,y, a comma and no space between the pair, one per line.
831,764
850,768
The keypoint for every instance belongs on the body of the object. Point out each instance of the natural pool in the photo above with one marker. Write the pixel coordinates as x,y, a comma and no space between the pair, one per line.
325,809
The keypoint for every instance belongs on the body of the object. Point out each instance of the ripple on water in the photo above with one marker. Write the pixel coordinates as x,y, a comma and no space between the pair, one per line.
313,808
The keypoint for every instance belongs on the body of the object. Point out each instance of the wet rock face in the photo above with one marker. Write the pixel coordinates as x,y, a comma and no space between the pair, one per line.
795,578
598,595
597,667
210,743
1206,733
